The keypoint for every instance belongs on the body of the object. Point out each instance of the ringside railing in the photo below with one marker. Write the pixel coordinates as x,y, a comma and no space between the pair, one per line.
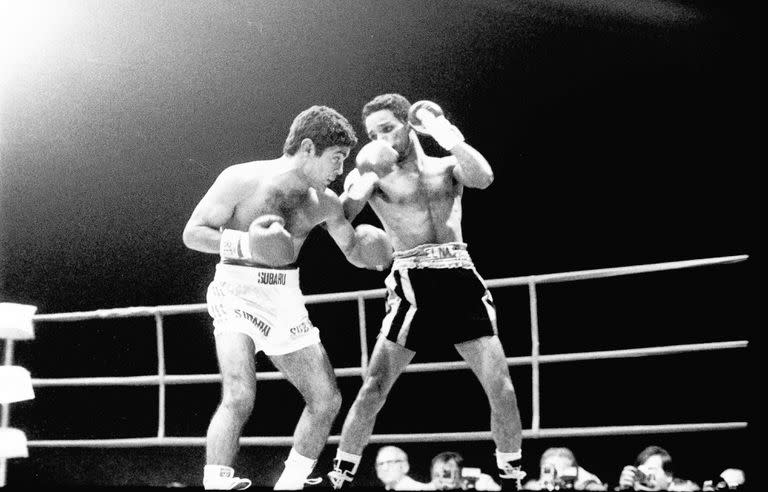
162,379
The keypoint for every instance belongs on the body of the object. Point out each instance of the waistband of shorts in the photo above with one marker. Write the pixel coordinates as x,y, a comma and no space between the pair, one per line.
258,276
445,255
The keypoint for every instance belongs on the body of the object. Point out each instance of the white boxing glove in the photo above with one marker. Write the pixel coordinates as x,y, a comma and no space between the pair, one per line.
427,117
376,156
373,248
266,242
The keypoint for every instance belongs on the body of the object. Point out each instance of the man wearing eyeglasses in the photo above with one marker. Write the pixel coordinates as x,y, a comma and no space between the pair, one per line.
392,469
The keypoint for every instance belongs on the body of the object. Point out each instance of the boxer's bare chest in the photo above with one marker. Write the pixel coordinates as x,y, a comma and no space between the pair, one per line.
427,187
301,209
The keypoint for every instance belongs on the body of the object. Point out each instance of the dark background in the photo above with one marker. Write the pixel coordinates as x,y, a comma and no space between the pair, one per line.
617,134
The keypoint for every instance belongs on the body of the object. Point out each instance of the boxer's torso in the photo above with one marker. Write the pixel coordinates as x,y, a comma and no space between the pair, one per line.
261,191
419,203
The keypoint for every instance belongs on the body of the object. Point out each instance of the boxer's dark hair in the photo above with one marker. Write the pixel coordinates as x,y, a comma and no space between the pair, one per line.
396,103
325,126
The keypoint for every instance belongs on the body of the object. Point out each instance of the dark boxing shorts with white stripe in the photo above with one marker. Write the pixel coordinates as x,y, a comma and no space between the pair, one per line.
435,295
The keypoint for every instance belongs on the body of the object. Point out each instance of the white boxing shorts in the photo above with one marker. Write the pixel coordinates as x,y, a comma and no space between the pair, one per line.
265,304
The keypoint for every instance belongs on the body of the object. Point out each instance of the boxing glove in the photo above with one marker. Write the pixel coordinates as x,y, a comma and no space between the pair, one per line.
266,242
376,156
428,118
373,247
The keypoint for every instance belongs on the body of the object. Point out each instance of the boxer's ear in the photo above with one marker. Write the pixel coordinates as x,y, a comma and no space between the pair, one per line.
307,146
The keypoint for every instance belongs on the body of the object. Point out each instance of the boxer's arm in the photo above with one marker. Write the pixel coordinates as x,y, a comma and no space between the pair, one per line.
343,234
471,168
364,246
358,188
203,229
265,241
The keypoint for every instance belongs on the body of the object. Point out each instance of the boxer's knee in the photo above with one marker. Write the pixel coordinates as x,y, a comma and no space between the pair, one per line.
326,403
332,403
238,396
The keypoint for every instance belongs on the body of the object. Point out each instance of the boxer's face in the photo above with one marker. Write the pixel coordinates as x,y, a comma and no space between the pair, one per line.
383,125
327,166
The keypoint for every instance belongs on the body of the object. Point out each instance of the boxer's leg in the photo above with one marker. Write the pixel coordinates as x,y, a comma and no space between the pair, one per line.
485,356
387,362
310,371
235,353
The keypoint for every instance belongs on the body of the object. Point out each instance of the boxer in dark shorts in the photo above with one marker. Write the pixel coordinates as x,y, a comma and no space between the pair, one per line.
426,279
434,293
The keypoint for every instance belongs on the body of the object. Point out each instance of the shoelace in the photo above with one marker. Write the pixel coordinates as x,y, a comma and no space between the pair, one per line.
338,478
512,472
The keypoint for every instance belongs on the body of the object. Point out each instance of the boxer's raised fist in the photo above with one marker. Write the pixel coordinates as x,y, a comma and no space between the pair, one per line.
427,117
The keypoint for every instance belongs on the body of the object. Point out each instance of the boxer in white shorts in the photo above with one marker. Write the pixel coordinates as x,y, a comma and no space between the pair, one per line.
256,217
266,305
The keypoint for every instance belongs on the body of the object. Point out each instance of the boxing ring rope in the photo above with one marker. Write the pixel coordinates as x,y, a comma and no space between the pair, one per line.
162,379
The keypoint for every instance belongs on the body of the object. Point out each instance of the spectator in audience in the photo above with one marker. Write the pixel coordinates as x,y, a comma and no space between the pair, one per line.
449,473
392,468
729,479
653,471
558,470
